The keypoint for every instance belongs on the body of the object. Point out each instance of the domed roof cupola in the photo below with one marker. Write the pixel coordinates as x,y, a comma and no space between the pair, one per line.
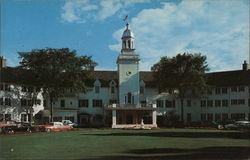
128,40
127,33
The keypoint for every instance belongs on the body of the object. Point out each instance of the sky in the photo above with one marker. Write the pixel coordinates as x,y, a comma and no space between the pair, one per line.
218,29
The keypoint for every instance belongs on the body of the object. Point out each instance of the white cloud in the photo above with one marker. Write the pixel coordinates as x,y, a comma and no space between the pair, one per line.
217,29
82,10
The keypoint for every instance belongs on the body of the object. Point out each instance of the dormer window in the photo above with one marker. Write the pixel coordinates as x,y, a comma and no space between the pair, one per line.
112,85
112,89
97,89
97,86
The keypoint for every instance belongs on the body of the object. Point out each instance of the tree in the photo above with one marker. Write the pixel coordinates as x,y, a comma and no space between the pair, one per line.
184,72
57,70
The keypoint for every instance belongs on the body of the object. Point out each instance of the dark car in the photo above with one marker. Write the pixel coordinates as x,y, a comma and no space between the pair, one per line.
25,127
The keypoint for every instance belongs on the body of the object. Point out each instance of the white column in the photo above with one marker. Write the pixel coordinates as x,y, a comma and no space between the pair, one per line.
113,118
154,116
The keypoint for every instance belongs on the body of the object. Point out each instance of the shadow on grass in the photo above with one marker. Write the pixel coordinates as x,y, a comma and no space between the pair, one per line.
223,153
234,135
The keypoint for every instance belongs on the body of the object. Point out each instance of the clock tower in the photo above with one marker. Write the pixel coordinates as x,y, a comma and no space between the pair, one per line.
128,70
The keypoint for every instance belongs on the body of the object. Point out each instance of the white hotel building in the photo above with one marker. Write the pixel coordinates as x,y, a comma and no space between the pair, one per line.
128,97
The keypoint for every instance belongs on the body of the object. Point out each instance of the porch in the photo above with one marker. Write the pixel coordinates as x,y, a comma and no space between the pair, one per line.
133,117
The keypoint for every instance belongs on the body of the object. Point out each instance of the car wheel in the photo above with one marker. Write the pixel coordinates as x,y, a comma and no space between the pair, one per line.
48,130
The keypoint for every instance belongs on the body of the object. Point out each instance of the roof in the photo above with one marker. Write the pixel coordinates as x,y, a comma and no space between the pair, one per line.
127,33
226,78
229,78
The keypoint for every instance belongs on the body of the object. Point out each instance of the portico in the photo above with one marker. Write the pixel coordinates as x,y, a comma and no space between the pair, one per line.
133,117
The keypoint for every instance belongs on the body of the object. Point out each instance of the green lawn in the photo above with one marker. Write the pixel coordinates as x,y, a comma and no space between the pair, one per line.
127,144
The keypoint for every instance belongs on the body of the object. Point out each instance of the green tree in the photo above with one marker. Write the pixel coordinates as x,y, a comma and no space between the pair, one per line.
184,72
57,70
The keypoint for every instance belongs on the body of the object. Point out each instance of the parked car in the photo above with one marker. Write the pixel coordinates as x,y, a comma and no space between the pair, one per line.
7,128
26,127
68,122
238,125
56,126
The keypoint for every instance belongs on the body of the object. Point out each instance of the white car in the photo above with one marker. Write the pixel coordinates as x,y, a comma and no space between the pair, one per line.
238,124
68,122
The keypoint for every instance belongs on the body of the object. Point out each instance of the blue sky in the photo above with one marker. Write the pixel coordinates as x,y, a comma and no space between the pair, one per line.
218,29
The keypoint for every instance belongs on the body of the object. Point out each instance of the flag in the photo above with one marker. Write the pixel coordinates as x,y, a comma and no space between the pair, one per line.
125,18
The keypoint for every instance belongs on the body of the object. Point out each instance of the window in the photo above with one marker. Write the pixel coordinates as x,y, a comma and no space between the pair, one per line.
97,103
143,103
112,101
159,103
83,103
224,90
238,116
7,117
57,119
142,89
62,103
7,101
129,98
233,89
1,117
173,103
7,87
217,103
234,101
241,89
1,101
30,89
38,89
169,104
23,117
45,103
71,118
210,117
38,101
97,89
217,117
241,101
23,102
29,102
217,90
188,103
112,89
189,118
203,103
224,116
224,103
203,117
1,87
209,91
210,103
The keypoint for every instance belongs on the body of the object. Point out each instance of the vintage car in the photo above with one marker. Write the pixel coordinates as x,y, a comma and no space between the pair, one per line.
68,122
8,128
56,126
238,125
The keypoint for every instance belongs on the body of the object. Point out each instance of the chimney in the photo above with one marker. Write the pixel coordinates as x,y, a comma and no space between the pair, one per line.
245,66
2,62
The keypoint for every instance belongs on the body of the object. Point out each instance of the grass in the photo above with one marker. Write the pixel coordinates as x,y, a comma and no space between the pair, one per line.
127,144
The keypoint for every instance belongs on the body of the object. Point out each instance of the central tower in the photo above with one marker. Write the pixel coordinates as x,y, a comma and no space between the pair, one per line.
128,70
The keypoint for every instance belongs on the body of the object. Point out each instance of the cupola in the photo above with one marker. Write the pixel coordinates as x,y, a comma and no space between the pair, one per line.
128,39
